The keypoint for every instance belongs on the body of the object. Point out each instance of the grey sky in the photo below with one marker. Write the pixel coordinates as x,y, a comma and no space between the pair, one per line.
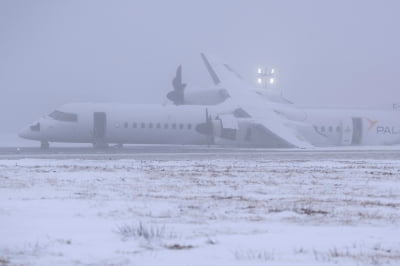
327,52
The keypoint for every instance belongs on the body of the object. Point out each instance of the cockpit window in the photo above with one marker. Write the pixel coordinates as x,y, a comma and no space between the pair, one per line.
62,116
35,127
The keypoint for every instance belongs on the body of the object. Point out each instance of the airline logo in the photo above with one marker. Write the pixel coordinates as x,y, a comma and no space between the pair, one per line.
372,123
383,130
388,130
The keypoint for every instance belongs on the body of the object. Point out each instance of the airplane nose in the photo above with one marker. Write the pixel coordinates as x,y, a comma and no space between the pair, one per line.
24,133
30,132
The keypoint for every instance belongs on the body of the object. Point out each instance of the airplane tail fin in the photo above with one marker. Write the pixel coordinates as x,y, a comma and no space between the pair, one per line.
250,101
210,70
220,73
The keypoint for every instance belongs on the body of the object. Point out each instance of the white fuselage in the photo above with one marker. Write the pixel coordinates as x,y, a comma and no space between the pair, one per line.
170,124
124,123
353,127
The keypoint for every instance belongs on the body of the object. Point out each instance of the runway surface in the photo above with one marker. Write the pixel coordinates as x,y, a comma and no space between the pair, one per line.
181,152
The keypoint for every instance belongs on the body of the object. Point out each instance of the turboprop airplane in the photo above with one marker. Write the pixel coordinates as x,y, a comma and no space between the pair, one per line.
231,114
102,124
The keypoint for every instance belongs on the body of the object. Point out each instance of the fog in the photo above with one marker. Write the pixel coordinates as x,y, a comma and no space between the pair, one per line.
328,53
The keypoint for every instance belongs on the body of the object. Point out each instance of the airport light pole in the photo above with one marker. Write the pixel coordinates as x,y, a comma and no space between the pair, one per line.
266,77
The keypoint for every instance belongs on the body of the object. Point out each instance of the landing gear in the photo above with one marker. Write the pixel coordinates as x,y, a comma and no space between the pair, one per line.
44,145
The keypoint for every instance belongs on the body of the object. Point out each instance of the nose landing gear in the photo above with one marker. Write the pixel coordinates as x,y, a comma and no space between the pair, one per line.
44,145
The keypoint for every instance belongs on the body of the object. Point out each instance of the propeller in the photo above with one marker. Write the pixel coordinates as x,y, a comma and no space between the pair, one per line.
207,128
177,96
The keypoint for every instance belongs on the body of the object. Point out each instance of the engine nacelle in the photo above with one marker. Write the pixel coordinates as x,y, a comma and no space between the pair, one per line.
205,97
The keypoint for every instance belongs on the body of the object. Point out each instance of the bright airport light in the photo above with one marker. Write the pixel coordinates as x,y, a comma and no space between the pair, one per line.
265,77
271,81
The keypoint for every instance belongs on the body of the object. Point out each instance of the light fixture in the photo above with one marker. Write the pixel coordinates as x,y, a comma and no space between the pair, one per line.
271,81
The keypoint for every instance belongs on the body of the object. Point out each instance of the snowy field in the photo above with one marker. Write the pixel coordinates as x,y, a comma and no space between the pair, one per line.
232,210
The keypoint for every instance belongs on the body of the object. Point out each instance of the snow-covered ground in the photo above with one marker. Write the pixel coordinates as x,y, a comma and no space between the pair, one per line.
229,211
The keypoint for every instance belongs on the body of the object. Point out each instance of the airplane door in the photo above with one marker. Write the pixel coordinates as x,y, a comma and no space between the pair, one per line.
347,132
99,129
357,131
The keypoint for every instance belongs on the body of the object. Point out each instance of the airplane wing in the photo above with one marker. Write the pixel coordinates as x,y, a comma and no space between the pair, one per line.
260,110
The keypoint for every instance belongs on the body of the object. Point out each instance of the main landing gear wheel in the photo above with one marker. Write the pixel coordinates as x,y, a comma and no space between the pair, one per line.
44,145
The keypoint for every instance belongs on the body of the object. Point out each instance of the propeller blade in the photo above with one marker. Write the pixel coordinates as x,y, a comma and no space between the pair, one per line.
207,128
177,81
177,96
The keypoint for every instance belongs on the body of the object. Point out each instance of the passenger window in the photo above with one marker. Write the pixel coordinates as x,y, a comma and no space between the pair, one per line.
158,125
181,126
150,125
134,125
142,125
189,126
330,129
323,129
166,126
338,129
